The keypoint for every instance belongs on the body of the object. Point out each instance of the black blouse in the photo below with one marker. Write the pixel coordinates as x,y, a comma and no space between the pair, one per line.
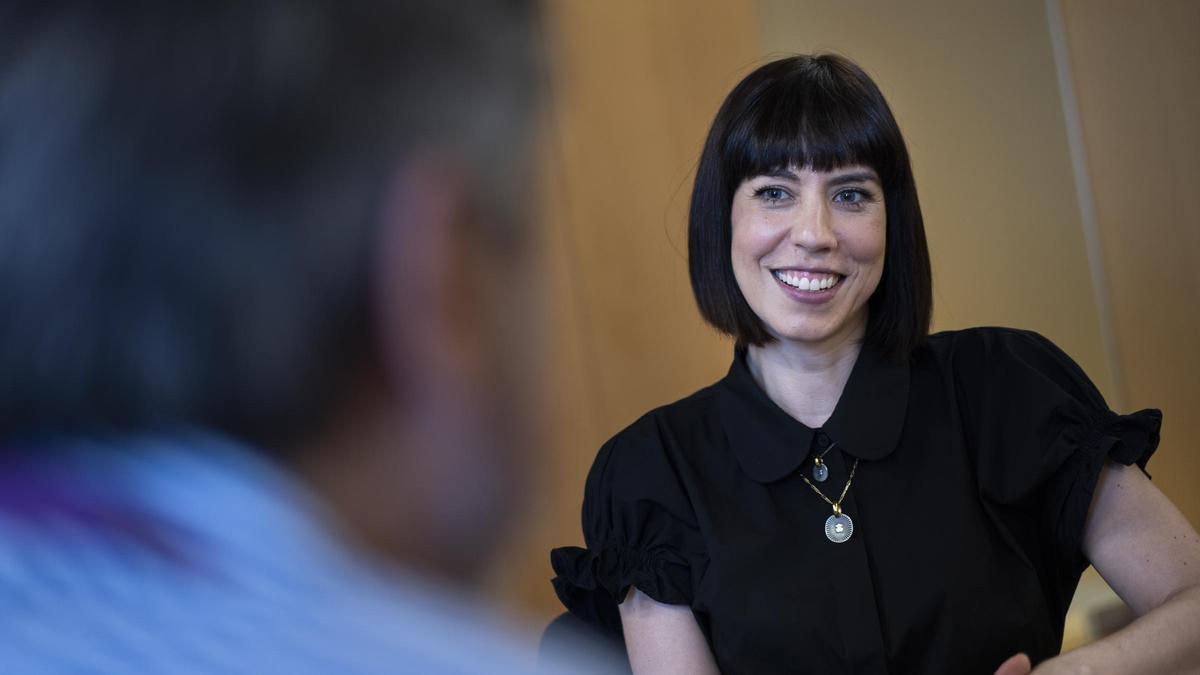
979,457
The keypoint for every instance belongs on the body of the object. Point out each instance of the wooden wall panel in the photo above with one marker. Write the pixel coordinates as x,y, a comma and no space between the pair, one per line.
634,87
1136,73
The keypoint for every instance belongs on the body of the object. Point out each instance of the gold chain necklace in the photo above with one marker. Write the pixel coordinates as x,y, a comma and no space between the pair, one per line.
839,526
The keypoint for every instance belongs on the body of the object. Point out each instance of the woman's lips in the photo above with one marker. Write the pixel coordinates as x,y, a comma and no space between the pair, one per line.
815,282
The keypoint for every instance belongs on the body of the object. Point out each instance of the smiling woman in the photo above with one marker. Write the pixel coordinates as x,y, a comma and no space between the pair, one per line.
857,495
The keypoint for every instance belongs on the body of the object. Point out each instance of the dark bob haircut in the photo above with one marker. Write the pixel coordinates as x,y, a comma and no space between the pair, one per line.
821,112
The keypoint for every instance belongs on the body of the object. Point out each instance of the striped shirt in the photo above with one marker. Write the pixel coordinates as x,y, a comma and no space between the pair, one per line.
196,555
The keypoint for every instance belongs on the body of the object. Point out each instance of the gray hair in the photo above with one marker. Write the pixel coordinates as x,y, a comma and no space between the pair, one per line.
189,190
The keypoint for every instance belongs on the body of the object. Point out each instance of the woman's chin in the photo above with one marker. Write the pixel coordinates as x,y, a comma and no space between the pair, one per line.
817,335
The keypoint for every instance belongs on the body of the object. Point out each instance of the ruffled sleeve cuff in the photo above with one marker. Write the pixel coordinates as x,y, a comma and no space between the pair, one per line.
1125,439
591,583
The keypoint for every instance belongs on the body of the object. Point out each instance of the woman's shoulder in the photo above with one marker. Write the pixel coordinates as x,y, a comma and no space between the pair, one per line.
675,416
1012,374
989,352
986,339
666,426
657,443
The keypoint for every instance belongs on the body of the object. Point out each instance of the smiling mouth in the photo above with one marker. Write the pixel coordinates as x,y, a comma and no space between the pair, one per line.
813,283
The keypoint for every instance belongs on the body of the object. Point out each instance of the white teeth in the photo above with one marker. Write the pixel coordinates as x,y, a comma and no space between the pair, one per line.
806,283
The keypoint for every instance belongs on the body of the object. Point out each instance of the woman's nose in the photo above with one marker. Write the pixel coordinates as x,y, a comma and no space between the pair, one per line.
812,228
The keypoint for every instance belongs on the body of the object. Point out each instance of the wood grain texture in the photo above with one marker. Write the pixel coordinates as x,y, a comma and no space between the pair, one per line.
634,86
1136,73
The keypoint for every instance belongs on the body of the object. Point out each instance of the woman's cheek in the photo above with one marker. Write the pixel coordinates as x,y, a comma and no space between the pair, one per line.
755,237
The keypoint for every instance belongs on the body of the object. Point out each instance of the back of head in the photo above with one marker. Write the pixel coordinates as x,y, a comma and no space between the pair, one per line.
189,193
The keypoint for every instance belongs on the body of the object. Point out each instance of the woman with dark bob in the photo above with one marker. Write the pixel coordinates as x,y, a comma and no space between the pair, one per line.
857,495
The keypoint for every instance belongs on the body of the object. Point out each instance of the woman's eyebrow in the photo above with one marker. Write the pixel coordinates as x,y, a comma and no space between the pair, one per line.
785,174
854,177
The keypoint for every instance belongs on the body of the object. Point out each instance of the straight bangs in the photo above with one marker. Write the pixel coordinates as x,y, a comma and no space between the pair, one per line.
811,120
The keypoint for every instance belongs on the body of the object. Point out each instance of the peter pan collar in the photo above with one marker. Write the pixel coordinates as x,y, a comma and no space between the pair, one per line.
770,444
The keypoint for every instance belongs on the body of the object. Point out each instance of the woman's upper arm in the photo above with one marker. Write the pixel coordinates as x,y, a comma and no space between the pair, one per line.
663,638
1138,541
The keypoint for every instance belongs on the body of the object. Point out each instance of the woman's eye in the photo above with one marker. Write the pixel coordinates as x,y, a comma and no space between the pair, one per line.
771,194
852,197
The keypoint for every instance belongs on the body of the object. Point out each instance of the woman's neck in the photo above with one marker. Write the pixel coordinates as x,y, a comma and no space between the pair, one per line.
805,381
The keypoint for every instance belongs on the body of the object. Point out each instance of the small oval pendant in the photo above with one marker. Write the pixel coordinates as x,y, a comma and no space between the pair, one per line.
820,472
839,528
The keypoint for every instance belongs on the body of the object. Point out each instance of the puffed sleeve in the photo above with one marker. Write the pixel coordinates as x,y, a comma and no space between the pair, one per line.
1042,433
640,531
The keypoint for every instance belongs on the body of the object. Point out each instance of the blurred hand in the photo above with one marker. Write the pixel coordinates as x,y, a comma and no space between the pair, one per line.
1018,664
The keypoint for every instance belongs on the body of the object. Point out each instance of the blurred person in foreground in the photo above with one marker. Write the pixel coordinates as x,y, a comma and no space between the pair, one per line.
261,289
